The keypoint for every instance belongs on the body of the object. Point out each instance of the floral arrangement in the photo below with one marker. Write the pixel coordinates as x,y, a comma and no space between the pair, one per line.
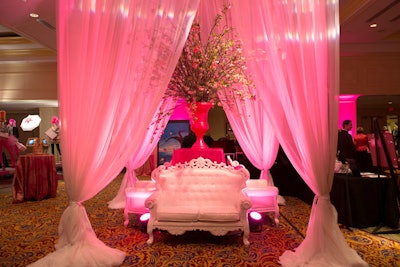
211,71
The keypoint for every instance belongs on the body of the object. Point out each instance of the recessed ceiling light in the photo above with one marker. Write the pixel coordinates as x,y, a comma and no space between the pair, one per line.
34,15
373,25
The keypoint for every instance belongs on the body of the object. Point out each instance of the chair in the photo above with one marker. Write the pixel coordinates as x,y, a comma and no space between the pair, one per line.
263,198
135,197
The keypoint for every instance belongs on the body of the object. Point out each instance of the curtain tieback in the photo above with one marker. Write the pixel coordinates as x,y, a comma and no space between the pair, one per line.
316,198
71,203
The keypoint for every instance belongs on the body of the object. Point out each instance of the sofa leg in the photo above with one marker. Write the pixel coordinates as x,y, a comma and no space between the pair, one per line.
246,239
276,220
246,243
126,214
151,236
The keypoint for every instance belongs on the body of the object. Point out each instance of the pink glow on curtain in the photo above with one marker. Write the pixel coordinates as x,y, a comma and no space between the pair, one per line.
115,60
180,111
206,13
292,51
249,120
253,130
348,110
142,151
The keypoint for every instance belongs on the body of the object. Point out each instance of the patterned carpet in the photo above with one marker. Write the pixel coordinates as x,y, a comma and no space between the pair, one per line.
29,232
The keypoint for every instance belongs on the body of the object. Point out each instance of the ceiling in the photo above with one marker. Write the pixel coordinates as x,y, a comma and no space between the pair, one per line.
25,38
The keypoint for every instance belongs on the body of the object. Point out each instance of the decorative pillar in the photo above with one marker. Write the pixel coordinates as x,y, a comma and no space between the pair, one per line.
348,111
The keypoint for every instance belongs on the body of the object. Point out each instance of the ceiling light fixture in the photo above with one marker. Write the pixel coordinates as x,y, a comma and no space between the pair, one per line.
34,15
373,25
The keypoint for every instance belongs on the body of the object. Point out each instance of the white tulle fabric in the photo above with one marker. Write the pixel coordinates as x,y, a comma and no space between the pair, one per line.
143,150
115,59
292,48
252,128
249,120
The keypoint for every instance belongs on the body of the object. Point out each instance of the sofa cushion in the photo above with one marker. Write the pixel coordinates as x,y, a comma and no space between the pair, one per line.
178,214
218,214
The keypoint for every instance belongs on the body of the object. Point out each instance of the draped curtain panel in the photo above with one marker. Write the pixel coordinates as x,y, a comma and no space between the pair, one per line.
248,120
292,52
252,128
115,59
143,150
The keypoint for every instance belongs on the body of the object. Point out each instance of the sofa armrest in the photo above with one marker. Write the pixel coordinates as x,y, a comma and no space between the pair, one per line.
244,201
151,201
245,204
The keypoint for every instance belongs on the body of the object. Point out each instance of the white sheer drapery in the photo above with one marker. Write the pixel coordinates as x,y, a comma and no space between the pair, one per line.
115,59
294,58
295,63
248,119
252,128
143,150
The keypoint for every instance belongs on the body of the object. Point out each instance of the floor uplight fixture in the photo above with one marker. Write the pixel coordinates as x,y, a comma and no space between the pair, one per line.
255,221
143,220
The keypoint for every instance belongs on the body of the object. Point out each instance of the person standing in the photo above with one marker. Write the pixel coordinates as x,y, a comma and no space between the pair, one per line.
13,138
12,128
345,146
7,143
363,157
361,140
55,134
346,150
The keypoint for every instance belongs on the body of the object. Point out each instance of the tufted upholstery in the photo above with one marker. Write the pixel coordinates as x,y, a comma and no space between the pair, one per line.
199,195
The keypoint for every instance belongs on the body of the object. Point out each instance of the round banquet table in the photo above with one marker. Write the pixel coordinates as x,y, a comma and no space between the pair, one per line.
35,178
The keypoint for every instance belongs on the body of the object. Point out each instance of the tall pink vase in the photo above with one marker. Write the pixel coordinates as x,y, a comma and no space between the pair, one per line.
199,123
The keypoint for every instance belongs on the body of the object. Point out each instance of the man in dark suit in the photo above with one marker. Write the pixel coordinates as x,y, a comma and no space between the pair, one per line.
345,146
346,150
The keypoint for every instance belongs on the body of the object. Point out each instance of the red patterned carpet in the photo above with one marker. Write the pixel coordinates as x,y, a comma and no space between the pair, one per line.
29,232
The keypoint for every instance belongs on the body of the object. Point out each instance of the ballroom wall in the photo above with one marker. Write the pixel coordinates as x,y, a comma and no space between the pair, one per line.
376,74
28,80
370,75
365,75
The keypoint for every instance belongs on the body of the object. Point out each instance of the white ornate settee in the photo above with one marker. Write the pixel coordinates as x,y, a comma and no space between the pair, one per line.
199,195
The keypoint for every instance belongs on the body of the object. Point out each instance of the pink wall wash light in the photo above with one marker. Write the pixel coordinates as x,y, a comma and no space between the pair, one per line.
180,112
348,110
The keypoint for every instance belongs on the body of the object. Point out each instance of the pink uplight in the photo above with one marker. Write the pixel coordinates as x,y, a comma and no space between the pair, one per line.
348,110
180,111
255,215
349,97
145,217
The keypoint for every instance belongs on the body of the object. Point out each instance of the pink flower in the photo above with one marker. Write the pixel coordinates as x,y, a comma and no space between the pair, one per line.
206,68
